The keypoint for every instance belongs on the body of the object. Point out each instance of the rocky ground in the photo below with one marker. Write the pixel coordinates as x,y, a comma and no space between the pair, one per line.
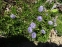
54,38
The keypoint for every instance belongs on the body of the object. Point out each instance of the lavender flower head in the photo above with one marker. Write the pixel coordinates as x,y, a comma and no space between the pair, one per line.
33,35
40,9
33,25
12,16
50,22
43,31
29,30
39,18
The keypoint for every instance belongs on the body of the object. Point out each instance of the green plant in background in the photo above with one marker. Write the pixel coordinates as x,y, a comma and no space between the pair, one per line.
60,1
49,5
32,22
59,25
2,7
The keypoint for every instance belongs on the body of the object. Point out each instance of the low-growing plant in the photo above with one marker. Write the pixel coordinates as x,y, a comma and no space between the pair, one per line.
59,26
32,22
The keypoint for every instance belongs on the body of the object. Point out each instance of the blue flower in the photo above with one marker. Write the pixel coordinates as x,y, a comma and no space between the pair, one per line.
33,25
40,9
43,31
39,18
29,30
12,16
50,22
33,35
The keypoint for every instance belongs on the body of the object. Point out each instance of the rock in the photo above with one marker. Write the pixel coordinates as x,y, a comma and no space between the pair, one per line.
54,38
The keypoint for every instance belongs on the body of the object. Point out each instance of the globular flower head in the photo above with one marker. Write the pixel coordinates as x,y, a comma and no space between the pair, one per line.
32,25
43,31
50,22
39,18
33,35
12,16
29,30
40,9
